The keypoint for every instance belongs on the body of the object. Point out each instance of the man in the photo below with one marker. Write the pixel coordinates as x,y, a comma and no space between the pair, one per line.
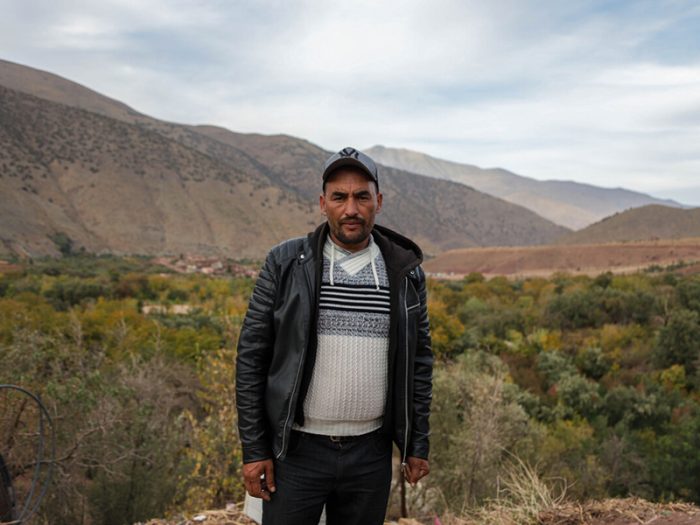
334,362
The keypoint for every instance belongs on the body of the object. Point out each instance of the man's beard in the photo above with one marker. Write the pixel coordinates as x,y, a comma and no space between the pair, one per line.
357,238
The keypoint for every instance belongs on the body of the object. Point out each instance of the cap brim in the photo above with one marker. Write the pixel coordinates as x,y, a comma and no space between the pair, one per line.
348,161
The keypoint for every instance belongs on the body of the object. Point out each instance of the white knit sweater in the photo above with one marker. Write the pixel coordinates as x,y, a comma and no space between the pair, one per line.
347,393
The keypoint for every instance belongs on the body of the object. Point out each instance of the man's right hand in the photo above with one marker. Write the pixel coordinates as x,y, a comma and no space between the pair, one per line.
255,484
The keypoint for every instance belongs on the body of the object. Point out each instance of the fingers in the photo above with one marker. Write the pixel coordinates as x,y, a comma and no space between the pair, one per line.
264,493
409,474
270,476
414,475
416,469
251,478
257,482
423,470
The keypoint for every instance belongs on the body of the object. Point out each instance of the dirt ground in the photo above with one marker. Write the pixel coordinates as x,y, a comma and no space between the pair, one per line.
630,511
542,261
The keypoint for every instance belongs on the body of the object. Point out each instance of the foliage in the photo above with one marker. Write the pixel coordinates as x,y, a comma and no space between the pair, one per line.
63,243
605,368
477,420
213,461
135,397
677,343
593,381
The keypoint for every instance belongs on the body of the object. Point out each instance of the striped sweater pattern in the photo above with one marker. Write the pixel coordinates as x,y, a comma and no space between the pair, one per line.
347,393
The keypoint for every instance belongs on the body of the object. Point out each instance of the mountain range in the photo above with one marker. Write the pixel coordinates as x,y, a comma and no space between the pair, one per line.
76,164
567,203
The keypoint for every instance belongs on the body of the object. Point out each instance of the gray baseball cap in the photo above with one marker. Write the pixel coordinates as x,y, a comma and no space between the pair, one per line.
351,157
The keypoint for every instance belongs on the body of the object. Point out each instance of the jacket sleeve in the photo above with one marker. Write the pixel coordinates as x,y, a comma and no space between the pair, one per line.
255,345
419,445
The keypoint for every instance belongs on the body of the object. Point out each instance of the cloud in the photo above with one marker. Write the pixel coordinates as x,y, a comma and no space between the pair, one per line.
600,92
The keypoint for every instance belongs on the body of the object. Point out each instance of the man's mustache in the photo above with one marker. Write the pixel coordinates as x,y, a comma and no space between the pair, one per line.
352,220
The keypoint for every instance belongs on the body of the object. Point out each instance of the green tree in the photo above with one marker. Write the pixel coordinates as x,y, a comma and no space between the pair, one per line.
688,292
677,342
577,309
63,243
675,462
578,396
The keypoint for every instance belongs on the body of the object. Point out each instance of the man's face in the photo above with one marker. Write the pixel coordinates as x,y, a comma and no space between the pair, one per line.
350,202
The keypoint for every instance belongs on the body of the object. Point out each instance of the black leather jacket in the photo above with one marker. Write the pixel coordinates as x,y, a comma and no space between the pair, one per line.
277,346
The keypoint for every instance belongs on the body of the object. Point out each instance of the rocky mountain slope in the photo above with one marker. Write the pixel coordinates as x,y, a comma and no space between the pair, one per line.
570,204
76,164
116,187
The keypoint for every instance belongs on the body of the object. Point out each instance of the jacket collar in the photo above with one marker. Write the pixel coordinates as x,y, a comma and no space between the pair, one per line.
400,253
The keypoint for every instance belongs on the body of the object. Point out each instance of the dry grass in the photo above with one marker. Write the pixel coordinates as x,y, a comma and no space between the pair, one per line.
529,501
522,497
619,511
233,515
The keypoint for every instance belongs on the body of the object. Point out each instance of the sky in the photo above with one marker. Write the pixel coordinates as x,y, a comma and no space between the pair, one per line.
601,92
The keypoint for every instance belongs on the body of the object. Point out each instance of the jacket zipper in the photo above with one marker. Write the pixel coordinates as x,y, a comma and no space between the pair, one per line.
289,412
405,383
294,389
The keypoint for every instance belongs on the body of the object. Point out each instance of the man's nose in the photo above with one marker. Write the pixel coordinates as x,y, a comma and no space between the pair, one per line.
351,207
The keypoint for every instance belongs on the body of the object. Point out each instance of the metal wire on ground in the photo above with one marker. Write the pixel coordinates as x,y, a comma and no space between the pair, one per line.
33,499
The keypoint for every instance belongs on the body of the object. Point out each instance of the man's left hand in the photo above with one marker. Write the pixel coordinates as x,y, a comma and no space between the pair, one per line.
416,468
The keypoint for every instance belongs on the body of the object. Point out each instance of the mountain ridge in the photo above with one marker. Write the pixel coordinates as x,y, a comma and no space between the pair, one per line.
648,222
113,179
571,204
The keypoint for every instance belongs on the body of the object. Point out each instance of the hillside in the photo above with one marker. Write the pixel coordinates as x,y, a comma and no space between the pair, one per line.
54,88
647,222
570,204
111,179
590,259
116,187
432,212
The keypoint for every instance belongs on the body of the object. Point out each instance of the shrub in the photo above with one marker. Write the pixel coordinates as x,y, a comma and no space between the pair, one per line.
677,342
578,309
688,292
475,418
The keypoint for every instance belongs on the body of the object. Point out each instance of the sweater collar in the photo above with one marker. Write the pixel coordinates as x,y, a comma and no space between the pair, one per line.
400,253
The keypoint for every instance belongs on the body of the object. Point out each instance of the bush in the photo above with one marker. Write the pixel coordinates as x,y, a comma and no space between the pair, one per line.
688,292
63,243
623,307
579,309
677,342
577,396
592,362
474,422
553,367
68,291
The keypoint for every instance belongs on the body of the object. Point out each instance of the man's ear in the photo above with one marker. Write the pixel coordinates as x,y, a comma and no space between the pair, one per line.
380,198
322,204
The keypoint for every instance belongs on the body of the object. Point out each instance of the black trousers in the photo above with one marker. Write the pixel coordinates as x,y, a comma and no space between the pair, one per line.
352,478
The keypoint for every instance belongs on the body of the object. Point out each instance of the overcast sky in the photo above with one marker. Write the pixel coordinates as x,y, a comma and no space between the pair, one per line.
604,92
